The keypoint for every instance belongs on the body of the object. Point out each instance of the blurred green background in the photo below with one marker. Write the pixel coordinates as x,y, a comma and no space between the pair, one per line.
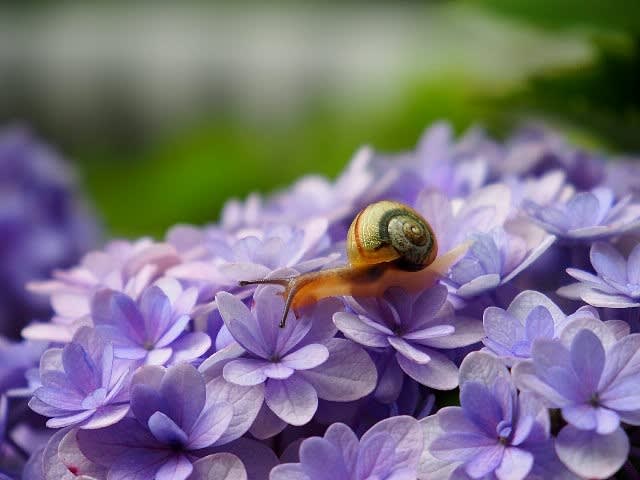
169,109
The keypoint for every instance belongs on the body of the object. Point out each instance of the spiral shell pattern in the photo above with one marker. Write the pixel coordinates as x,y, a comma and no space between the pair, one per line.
389,231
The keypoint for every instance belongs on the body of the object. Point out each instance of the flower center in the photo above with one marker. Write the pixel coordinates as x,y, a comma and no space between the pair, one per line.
176,446
398,330
504,430
95,399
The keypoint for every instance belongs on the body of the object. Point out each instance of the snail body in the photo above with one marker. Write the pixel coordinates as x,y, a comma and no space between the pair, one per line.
388,245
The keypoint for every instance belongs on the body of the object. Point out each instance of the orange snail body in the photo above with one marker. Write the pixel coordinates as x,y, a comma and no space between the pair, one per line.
388,245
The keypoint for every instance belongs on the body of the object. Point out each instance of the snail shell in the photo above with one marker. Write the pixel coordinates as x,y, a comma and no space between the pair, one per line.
389,231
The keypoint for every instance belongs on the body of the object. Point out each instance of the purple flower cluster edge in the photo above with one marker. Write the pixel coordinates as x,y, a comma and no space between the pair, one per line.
147,360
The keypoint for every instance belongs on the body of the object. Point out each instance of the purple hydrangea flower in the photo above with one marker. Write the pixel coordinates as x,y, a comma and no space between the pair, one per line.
174,418
82,384
617,283
366,179
62,459
389,449
495,431
544,190
411,330
224,259
121,266
511,333
295,365
547,465
455,221
257,254
456,169
493,260
587,216
588,374
43,224
594,378
215,260
153,329
537,150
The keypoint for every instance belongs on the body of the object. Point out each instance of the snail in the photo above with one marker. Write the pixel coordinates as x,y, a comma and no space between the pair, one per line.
388,245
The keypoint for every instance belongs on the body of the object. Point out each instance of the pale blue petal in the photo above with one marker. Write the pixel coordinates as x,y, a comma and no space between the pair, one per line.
591,455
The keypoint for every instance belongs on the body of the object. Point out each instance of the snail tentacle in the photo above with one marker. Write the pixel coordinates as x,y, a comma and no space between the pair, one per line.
266,281
289,292
292,286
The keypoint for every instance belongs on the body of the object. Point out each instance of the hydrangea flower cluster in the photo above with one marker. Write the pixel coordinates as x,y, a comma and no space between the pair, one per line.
45,224
160,365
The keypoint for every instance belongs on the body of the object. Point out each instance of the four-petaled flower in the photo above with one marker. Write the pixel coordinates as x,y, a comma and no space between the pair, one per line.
153,329
617,283
223,259
82,384
173,418
587,216
122,266
594,378
295,365
390,449
411,330
495,431
511,333
494,259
